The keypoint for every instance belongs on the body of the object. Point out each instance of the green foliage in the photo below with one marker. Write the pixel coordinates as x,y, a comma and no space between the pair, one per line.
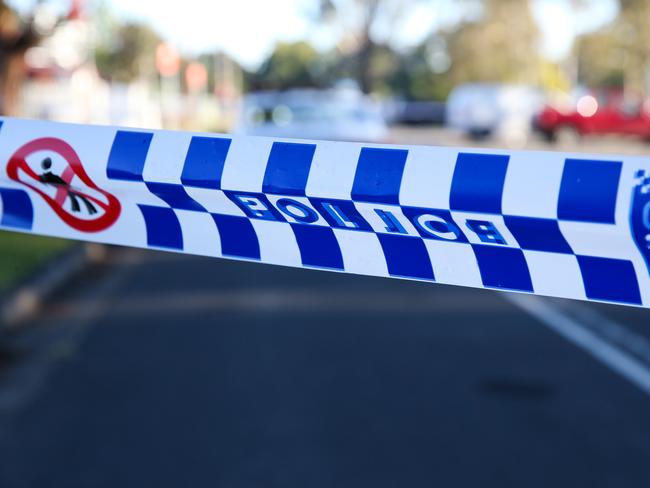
357,18
408,74
290,65
619,53
501,46
420,76
485,49
600,59
127,53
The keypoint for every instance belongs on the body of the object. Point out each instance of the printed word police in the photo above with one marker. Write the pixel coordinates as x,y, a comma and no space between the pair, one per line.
427,223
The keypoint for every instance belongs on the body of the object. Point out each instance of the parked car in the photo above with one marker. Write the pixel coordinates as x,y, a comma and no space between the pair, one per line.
491,109
410,112
595,112
333,114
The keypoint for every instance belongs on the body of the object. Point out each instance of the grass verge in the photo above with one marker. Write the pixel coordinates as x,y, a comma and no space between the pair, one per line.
22,253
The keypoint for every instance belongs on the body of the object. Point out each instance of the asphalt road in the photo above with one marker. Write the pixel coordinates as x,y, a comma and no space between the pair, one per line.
156,369
166,370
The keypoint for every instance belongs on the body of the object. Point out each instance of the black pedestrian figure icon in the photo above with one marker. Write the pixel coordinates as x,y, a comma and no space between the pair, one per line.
50,178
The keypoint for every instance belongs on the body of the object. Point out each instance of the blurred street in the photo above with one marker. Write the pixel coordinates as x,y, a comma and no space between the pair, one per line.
442,136
159,369
170,370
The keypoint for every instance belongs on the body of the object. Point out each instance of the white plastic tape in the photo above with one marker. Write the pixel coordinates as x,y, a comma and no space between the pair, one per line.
550,223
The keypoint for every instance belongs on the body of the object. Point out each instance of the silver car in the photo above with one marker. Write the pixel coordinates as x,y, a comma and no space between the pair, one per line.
332,114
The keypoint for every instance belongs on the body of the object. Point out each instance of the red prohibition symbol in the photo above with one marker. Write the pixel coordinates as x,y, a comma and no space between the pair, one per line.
111,208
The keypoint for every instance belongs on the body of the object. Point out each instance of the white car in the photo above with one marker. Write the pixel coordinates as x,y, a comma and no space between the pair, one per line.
334,114
492,109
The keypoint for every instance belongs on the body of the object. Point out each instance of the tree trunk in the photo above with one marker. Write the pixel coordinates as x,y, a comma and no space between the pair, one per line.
364,58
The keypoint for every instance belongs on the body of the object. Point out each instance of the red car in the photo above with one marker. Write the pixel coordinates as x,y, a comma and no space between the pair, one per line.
596,112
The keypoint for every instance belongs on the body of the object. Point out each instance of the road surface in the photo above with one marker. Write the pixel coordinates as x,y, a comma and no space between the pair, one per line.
158,369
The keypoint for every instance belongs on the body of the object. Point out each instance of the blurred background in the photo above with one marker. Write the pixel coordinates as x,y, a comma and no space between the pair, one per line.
148,368
338,69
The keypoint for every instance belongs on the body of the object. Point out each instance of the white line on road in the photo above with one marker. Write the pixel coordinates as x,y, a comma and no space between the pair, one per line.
580,335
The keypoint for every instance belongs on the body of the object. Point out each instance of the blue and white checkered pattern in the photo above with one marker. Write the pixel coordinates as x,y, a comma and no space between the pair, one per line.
545,223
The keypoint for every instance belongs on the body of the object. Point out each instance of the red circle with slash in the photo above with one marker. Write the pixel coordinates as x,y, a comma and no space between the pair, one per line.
111,207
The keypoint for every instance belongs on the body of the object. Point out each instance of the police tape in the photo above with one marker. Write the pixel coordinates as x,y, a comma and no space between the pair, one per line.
548,223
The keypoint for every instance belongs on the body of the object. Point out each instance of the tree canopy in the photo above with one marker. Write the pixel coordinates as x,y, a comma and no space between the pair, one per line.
127,53
290,65
619,53
426,71
500,42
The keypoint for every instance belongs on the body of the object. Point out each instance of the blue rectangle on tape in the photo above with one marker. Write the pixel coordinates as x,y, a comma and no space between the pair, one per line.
128,155
163,227
477,184
612,280
537,234
318,246
204,162
288,168
237,235
17,209
379,175
406,256
503,267
588,191
175,196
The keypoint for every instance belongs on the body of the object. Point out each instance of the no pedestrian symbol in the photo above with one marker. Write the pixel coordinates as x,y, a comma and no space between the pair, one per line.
68,190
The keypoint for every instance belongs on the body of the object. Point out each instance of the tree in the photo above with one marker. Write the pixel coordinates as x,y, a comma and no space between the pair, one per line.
16,36
359,19
422,73
600,59
633,31
500,46
618,54
127,53
290,65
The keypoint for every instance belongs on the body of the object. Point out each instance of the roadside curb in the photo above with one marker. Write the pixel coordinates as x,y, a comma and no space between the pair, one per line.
27,297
